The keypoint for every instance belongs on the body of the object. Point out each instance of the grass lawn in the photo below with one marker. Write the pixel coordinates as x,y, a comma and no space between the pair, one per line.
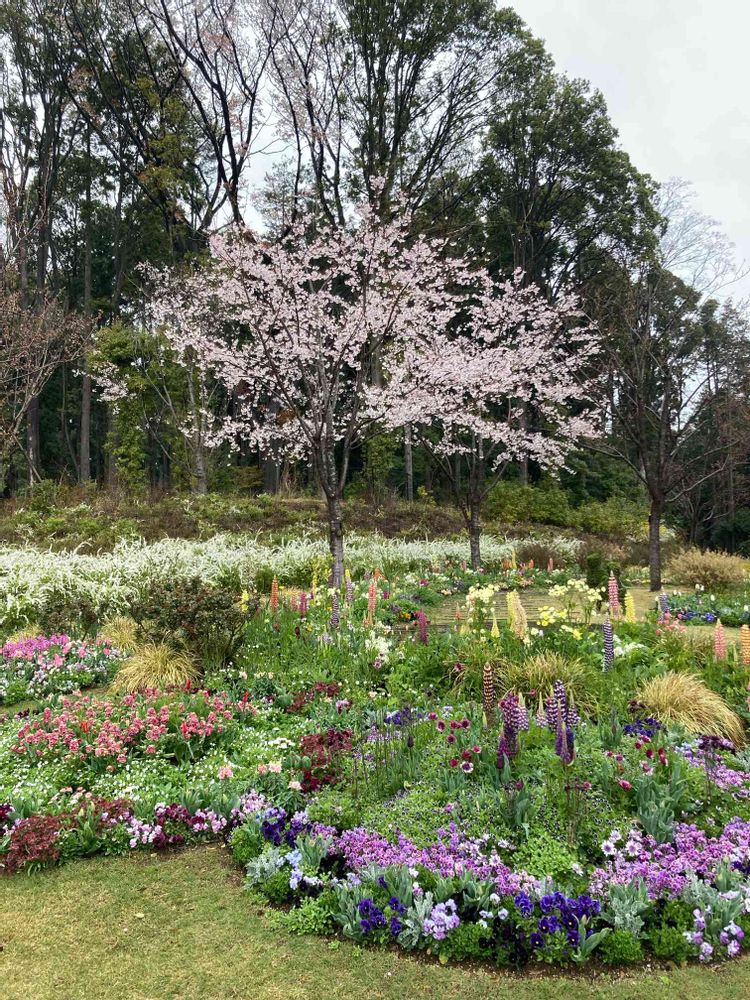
179,927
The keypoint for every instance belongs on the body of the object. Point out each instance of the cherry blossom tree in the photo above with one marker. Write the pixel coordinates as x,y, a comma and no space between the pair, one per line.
465,395
323,336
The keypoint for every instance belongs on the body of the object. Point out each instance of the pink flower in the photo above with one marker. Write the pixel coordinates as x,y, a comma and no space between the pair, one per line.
225,771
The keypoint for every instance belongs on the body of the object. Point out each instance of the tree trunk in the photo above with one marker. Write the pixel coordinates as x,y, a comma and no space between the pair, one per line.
474,532
336,539
523,466
654,544
408,463
32,441
84,444
201,478
84,440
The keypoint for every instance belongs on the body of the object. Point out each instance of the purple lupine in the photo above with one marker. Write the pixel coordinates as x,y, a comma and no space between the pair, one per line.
663,603
564,742
609,643
561,718
515,718
349,591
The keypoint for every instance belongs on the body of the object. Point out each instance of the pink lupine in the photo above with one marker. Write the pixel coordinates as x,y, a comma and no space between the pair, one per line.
720,641
613,591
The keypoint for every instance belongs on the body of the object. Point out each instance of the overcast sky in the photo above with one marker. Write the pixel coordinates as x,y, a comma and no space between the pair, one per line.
676,77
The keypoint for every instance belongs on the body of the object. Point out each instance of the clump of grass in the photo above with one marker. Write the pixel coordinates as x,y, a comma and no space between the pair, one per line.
155,665
713,570
539,672
684,699
120,631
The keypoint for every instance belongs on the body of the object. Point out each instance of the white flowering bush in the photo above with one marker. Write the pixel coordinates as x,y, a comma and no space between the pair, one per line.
108,582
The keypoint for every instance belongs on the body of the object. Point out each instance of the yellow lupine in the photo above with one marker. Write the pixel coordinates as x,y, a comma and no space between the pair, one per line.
630,609
494,631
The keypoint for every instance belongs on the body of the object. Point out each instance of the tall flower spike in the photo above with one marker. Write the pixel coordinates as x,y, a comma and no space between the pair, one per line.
510,608
303,605
349,589
488,695
720,641
421,619
372,600
609,644
273,601
745,645
541,717
613,593
335,619
630,616
495,630
550,565
519,625
663,603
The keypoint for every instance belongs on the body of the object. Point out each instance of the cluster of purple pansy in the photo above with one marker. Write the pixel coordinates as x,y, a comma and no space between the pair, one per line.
560,914
730,937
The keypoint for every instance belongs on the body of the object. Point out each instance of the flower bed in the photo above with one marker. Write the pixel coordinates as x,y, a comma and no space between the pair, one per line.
39,666
502,791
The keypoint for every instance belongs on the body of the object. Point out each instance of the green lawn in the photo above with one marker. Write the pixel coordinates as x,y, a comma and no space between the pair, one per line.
180,928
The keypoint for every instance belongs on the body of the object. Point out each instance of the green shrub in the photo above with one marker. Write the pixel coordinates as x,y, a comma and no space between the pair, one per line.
63,611
465,942
512,502
276,888
712,570
616,517
205,621
314,915
620,948
263,579
670,943
246,843
541,855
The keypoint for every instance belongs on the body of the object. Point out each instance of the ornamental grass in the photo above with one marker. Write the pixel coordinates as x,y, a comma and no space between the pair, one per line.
539,672
121,631
683,699
156,665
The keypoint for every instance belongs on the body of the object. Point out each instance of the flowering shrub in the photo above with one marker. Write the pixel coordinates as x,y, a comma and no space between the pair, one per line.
55,664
